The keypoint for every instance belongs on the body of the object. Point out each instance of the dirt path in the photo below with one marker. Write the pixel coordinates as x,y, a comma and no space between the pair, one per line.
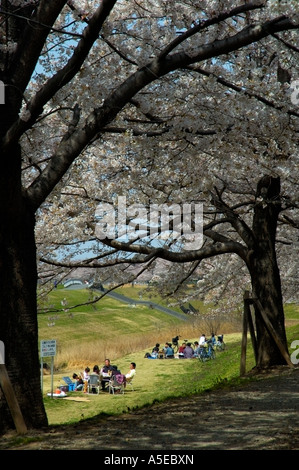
263,415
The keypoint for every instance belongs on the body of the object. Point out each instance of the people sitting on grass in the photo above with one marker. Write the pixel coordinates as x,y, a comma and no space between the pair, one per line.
117,377
202,340
213,339
197,349
220,339
155,351
78,382
106,373
181,350
132,372
168,351
188,351
96,372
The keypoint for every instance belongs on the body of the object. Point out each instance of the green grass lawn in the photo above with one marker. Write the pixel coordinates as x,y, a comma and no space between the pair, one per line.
291,312
156,380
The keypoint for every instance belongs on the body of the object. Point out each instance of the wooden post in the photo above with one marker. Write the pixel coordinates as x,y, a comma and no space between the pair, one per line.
273,333
244,335
12,401
252,333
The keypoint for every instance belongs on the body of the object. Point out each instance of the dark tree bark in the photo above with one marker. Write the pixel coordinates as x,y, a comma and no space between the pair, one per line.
18,313
264,272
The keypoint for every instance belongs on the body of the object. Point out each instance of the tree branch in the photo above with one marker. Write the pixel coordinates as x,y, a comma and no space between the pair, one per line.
33,39
101,117
243,90
239,225
62,77
205,24
208,251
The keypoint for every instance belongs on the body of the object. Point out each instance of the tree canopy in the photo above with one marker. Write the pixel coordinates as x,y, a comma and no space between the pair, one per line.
181,102
201,98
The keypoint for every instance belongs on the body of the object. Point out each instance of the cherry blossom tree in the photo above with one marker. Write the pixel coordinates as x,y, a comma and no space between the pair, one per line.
188,101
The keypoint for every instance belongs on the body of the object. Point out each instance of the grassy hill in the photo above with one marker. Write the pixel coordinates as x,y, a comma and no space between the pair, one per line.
92,331
88,331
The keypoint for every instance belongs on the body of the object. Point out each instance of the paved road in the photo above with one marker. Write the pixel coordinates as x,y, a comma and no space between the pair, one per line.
130,301
148,303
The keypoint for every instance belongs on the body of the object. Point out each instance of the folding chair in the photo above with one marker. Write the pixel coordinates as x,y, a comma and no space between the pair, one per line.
115,386
70,383
130,382
94,383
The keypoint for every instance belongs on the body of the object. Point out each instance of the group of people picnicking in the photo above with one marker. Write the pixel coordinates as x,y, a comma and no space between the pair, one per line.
104,375
186,350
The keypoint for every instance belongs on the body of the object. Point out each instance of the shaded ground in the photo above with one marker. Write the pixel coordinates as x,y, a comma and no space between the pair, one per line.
262,415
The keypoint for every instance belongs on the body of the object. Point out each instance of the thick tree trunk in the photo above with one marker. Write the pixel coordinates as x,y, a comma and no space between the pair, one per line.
18,312
265,274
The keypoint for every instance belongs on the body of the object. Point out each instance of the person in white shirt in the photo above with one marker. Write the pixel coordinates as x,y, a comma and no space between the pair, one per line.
202,340
131,373
86,378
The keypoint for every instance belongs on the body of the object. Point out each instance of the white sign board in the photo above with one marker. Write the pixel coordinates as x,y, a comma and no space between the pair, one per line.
48,348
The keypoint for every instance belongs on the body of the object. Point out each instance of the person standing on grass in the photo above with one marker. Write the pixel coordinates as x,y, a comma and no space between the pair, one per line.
86,378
